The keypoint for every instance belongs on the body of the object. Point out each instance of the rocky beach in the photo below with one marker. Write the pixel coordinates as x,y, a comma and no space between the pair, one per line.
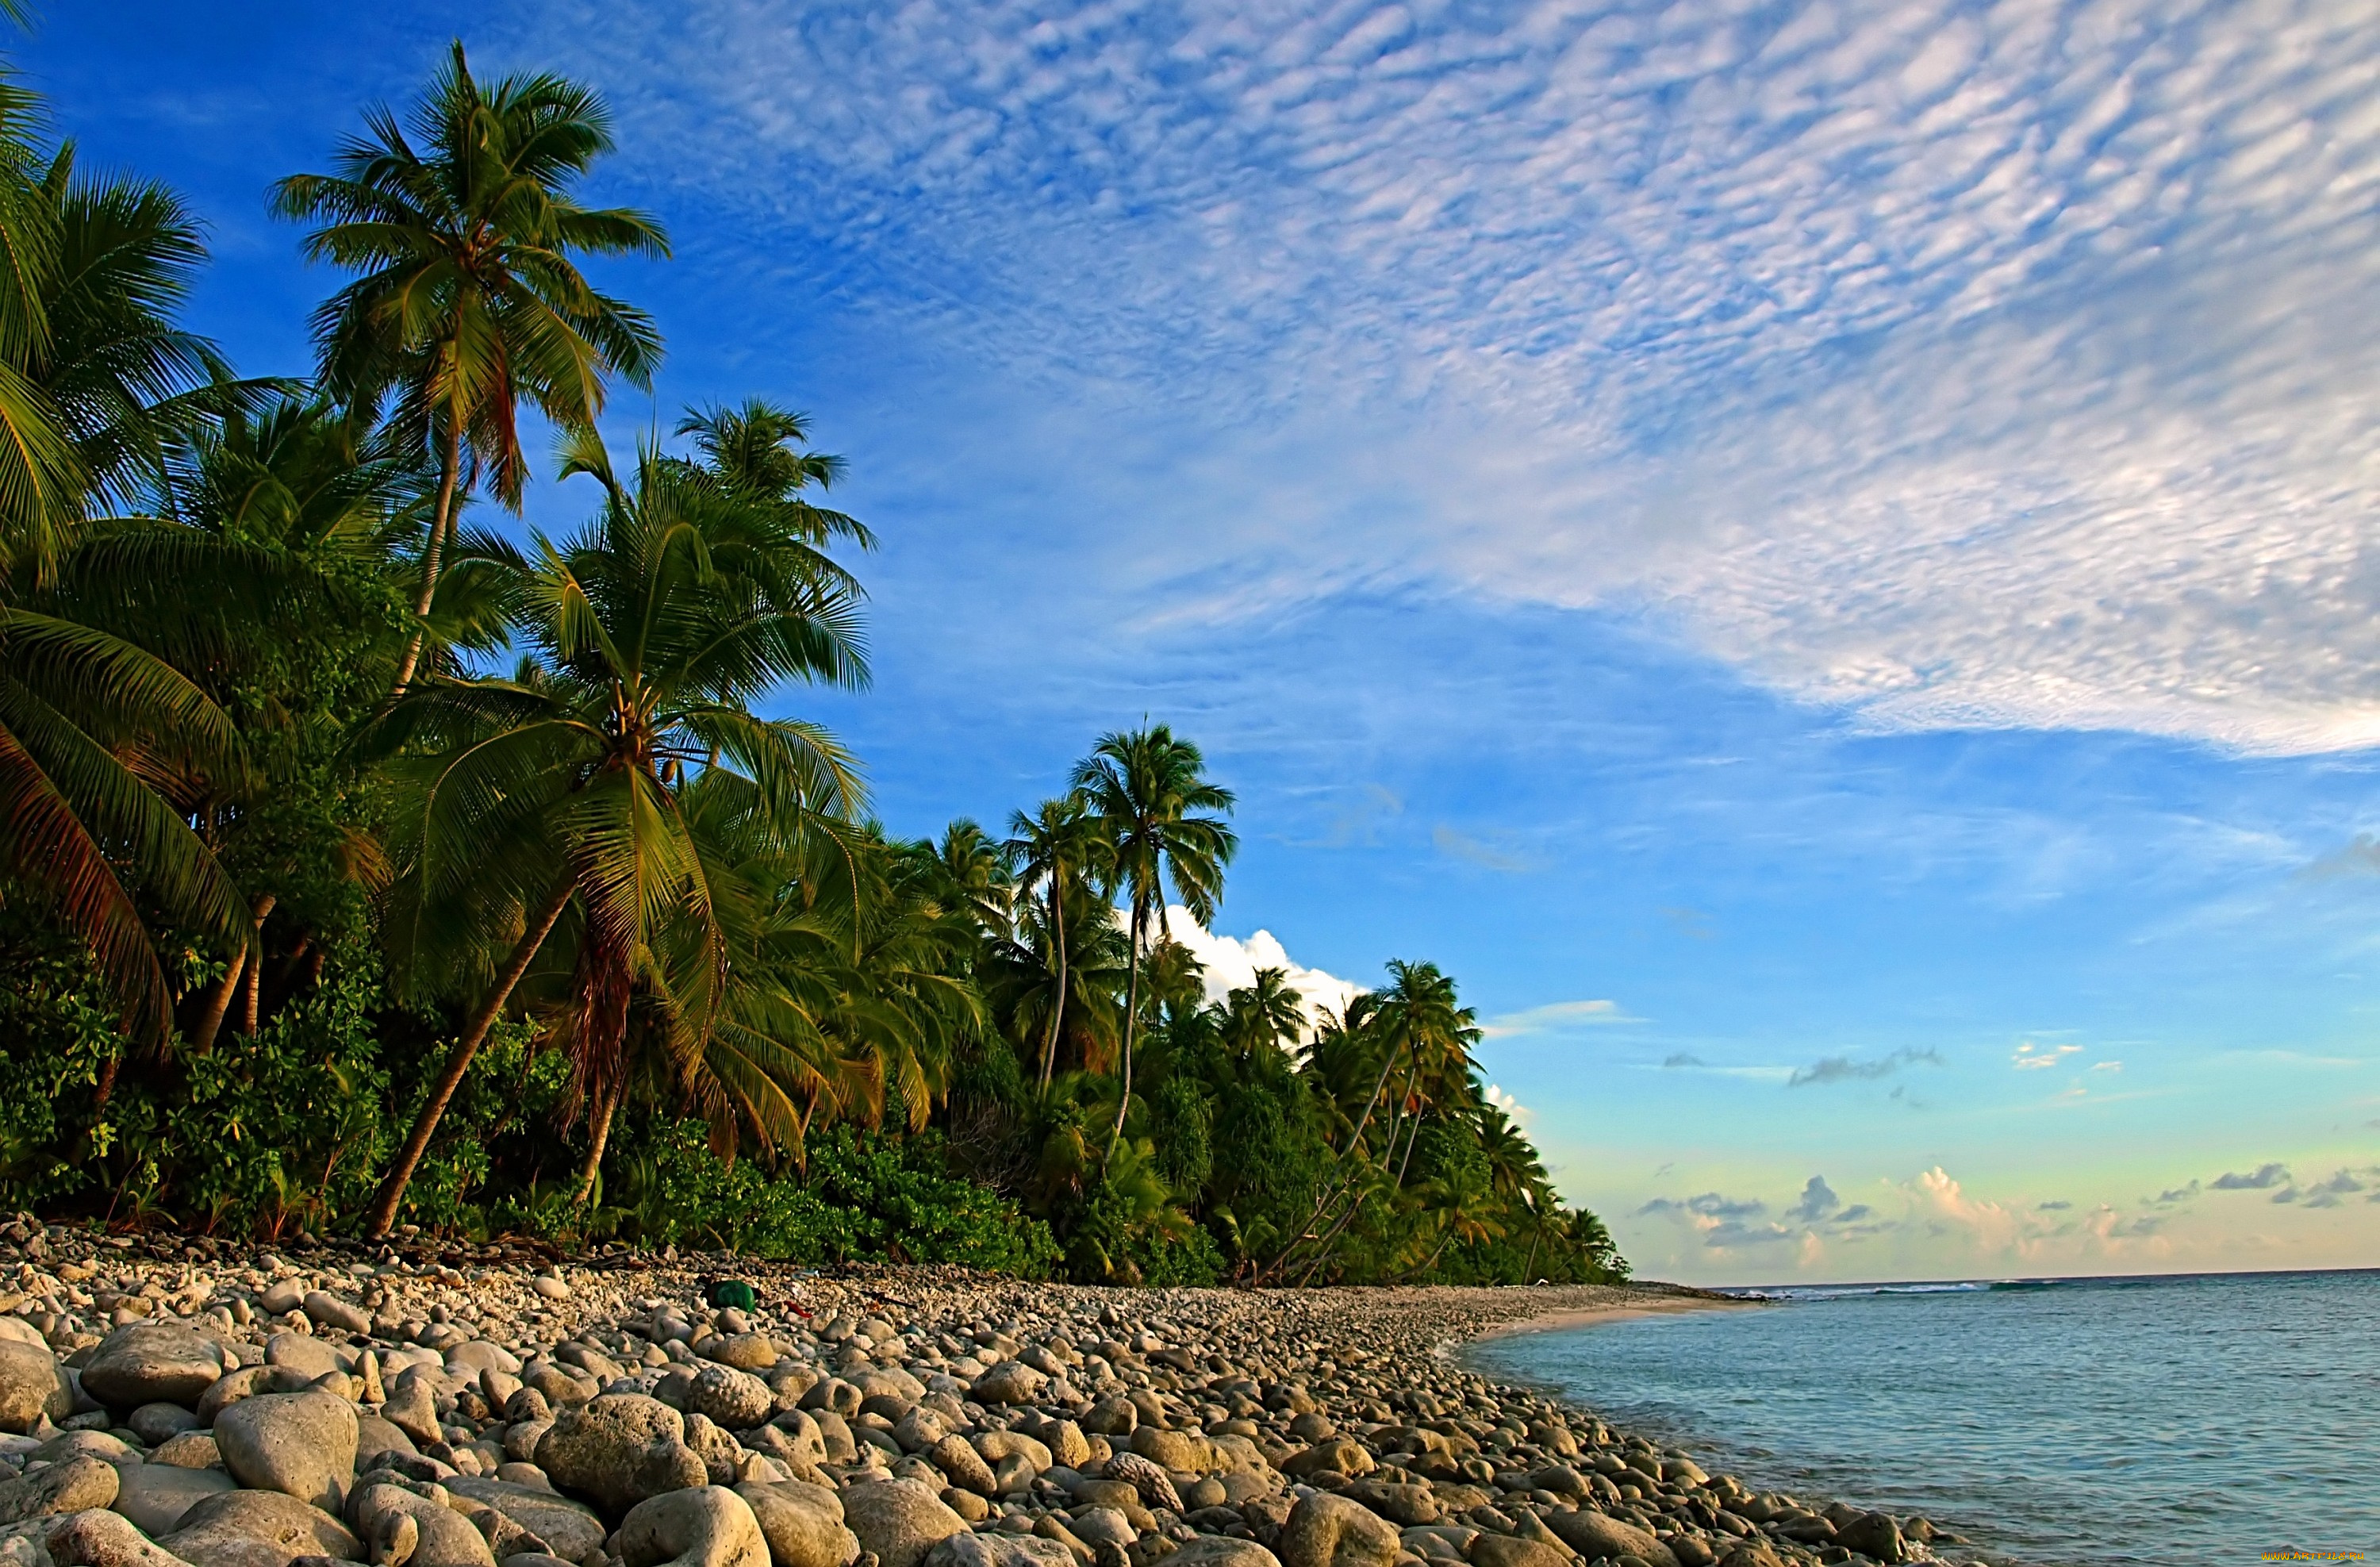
170,1401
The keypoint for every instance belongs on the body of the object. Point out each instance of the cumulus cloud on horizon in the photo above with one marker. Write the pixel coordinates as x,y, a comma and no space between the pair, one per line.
1961,364
1230,964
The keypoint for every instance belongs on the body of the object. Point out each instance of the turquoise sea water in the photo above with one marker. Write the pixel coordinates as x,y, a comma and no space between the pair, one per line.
2199,1420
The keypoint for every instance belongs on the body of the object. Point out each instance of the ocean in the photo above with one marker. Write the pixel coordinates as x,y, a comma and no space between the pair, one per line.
2095,1422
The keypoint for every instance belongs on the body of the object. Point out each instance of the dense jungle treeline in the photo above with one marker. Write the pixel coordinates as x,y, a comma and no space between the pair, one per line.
368,865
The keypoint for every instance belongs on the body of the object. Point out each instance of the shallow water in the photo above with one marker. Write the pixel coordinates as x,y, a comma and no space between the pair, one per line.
2203,1419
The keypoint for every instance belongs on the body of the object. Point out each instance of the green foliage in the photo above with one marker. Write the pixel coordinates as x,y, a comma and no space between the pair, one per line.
862,1198
58,1033
314,918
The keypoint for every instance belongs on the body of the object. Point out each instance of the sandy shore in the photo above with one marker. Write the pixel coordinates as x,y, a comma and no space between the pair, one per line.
1618,1311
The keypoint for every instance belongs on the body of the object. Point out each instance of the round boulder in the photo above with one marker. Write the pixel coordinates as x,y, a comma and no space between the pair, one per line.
1503,1550
735,1400
1324,1530
157,1424
33,1387
569,1528
802,1524
150,1363
1342,1455
258,1529
155,1496
1222,1551
1181,1452
999,1550
965,1467
442,1536
328,1310
745,1352
1592,1535
299,1444
707,1526
619,1450
70,1485
101,1539
899,1519
1011,1382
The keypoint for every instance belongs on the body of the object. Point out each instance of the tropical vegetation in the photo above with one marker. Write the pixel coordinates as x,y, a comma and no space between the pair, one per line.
371,862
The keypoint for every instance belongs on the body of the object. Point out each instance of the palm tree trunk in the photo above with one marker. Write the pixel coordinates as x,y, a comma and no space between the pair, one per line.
202,1037
252,986
391,1191
1388,1065
1529,1268
1131,1020
450,470
1411,1138
104,1090
603,1134
1430,1262
1058,1006
1322,1253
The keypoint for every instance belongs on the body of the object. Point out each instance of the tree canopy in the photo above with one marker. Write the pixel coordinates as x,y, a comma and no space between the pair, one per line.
370,861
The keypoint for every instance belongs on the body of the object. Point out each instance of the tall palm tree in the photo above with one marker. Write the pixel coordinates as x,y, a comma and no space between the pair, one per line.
1147,789
461,221
1058,847
650,636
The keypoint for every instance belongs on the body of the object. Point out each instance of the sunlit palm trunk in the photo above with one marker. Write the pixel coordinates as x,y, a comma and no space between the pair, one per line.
218,1007
450,471
441,1092
1131,1021
1058,1006
603,1134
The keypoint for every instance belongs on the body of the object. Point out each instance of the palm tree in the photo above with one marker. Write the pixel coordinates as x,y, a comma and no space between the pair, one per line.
1057,847
1146,788
1458,1204
650,633
1265,1013
971,878
1415,1022
41,482
462,224
104,743
1043,1006
762,450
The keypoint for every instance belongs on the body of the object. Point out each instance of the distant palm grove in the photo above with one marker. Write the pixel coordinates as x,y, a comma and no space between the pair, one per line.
371,863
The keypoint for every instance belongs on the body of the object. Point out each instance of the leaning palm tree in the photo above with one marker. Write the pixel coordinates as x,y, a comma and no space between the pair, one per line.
461,221
1415,1023
650,635
1147,788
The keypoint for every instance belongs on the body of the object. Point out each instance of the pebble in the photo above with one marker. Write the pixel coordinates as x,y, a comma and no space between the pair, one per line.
481,1407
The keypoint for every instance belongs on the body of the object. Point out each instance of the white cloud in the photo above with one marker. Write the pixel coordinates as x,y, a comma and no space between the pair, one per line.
1556,1017
1510,1103
1232,962
2030,1057
1950,368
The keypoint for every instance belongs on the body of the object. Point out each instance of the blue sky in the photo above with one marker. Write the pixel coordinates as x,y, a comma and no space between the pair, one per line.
1818,557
